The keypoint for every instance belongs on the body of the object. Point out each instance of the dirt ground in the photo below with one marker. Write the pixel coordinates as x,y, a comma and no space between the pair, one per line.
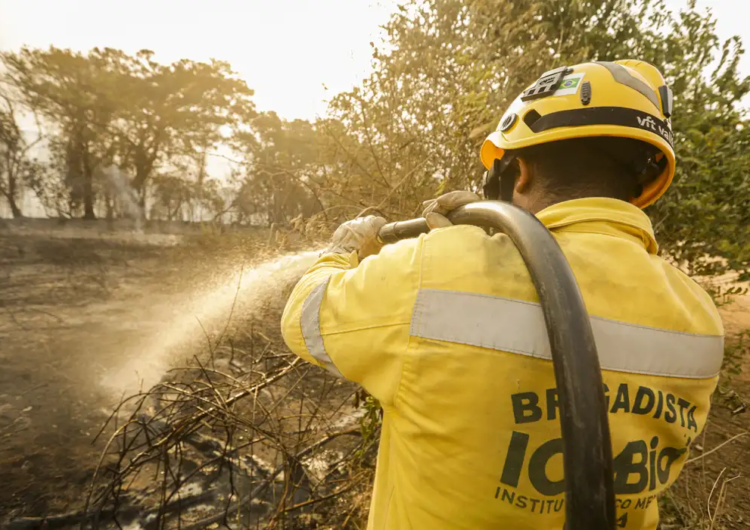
66,308
83,310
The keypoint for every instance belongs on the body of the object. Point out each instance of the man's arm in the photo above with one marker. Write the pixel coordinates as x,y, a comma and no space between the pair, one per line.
353,318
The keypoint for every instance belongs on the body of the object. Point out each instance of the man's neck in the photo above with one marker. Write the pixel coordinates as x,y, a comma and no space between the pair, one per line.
536,204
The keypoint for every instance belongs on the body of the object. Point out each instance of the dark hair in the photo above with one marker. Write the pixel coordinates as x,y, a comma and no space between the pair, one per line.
600,166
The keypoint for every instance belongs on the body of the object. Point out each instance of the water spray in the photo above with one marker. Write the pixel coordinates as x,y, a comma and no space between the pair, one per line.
200,317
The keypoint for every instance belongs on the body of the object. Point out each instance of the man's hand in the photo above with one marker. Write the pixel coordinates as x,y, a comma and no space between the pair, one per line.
359,234
436,209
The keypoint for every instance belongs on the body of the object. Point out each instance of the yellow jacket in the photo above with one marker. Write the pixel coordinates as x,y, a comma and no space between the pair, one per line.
446,331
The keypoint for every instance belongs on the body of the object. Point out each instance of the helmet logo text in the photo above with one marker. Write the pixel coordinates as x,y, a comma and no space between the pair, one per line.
649,123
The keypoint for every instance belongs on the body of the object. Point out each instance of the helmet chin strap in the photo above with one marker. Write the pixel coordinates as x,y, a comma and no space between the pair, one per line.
499,182
507,182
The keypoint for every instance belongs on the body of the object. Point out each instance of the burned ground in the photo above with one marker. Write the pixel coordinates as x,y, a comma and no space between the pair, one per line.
64,305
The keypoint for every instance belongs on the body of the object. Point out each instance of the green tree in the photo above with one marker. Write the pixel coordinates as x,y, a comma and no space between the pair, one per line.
72,93
108,108
444,75
281,162
705,215
172,193
449,68
165,112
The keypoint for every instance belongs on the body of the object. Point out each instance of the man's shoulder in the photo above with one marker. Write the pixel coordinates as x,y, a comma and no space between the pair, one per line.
694,295
466,258
467,239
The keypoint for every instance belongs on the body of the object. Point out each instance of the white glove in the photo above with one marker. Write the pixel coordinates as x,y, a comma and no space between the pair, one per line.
359,234
436,209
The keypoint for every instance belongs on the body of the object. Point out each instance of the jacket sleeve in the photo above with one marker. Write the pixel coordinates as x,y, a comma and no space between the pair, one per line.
353,318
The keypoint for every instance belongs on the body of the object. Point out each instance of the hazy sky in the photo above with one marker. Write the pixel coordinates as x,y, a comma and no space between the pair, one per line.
286,50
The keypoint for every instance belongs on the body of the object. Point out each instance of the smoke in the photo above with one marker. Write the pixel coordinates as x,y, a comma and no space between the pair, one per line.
119,184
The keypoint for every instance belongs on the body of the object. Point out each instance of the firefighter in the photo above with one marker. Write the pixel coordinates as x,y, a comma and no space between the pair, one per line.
471,433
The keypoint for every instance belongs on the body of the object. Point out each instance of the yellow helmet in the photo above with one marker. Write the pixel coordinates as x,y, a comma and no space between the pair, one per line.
628,99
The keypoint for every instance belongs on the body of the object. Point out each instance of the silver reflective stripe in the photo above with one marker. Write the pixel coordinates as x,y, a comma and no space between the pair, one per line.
518,327
622,76
310,322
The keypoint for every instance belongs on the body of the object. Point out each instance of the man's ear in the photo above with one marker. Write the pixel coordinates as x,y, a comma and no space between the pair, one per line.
525,176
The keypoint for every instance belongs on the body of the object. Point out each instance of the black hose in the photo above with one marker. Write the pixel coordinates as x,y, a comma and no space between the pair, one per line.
587,450
393,232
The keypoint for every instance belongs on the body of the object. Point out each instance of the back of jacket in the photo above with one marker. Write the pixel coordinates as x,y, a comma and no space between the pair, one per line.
446,331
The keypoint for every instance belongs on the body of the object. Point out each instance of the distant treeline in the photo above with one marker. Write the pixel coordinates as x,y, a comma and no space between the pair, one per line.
127,136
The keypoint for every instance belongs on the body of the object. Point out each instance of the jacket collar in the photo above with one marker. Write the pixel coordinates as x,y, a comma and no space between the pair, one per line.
601,215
